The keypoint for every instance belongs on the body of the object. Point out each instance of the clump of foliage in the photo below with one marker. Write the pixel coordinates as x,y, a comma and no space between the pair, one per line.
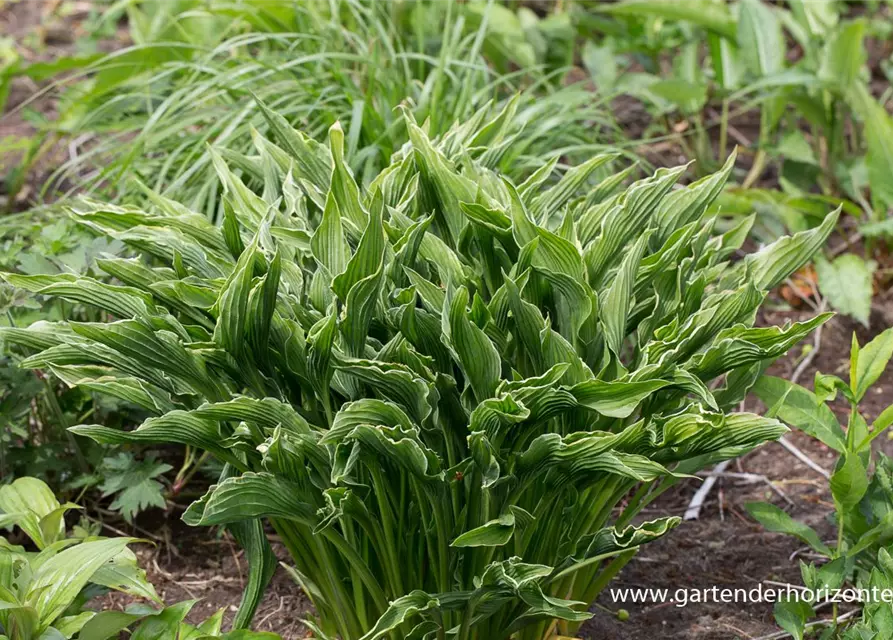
43,593
863,503
437,388
190,79
766,58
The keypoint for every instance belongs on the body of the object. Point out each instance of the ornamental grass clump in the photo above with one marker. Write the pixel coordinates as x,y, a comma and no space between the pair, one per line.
438,390
152,109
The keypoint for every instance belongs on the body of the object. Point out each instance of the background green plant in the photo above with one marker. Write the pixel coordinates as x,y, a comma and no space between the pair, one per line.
863,502
37,409
189,79
798,69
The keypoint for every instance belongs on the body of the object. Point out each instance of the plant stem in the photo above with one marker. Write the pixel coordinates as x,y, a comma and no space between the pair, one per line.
59,416
723,130
756,169
181,482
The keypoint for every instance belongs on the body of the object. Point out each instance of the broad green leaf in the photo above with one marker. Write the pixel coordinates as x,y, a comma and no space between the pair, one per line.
848,482
401,610
60,579
772,264
800,408
32,506
871,363
709,15
827,386
494,533
108,624
791,615
68,626
777,520
847,283
247,497
760,38
123,574
165,624
879,533
617,399
688,96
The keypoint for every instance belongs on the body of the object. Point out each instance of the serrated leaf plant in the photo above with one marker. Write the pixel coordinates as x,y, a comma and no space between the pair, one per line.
440,389
863,501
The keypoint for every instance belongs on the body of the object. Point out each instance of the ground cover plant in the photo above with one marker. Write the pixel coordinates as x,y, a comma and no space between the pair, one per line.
863,501
436,388
36,409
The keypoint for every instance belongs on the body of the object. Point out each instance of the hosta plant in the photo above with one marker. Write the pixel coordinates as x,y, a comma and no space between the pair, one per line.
43,592
146,623
438,390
